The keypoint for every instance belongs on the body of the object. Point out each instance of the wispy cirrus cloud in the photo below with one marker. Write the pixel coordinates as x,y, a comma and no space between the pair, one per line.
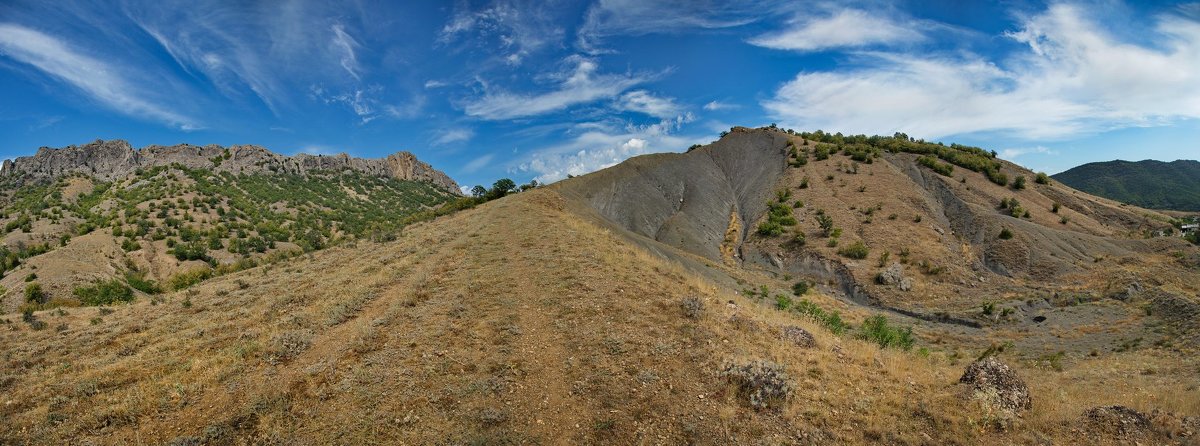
579,85
608,18
1071,78
453,135
346,45
844,28
642,101
97,79
515,28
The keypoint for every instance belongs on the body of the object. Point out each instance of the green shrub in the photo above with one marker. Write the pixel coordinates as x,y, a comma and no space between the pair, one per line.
826,223
800,288
769,229
782,302
34,294
1041,178
857,251
877,329
188,278
943,169
1019,183
104,293
832,321
1005,234
138,281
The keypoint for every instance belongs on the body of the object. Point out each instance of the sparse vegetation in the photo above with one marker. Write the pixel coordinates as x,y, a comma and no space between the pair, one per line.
762,384
877,329
858,250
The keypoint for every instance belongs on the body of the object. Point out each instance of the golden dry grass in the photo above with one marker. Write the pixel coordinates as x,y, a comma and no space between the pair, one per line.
516,322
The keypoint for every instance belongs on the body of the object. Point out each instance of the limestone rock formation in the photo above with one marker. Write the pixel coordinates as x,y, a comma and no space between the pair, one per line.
113,159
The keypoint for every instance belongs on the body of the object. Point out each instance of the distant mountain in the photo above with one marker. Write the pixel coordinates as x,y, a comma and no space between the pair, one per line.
1150,184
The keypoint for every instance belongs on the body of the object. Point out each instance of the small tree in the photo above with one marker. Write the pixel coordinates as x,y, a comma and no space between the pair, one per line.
478,191
826,224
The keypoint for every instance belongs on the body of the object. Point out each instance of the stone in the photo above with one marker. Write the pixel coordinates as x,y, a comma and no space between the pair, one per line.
798,336
998,383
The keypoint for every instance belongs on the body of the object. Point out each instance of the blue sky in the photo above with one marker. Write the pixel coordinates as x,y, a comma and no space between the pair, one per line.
541,90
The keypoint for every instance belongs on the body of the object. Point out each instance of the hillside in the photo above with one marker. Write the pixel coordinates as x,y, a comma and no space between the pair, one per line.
164,218
657,302
1150,184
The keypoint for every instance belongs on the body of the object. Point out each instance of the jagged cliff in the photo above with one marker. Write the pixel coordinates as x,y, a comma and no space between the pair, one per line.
114,159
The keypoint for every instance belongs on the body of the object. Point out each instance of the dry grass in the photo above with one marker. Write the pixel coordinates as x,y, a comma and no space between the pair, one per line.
514,322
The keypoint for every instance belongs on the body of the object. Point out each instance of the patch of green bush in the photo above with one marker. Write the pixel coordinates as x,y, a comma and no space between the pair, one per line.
104,293
858,250
877,329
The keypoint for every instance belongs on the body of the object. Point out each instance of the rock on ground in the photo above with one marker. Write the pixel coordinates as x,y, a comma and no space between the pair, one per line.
992,377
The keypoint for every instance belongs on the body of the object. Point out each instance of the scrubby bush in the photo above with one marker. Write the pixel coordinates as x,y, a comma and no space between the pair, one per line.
763,384
34,294
857,251
138,281
104,293
1019,183
826,223
877,329
800,288
692,307
1005,234
1041,178
944,169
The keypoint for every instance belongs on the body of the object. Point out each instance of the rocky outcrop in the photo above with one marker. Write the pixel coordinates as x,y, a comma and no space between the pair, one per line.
109,160
997,384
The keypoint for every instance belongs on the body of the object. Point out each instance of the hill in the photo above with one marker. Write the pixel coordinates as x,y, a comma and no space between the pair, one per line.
670,299
165,217
1150,184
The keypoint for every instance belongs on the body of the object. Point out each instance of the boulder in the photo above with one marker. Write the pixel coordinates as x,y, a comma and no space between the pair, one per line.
998,384
798,336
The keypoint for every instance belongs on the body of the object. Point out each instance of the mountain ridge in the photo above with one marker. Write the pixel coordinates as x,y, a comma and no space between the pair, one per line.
116,158
1173,185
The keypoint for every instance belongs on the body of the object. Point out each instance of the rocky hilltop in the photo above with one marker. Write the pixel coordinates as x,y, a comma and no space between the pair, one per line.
109,160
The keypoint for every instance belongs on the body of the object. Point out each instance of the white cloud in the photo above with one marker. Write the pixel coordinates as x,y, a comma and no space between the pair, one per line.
97,79
1070,79
515,28
846,28
453,135
478,163
345,44
601,145
578,86
268,50
430,84
718,105
607,18
642,101
1016,152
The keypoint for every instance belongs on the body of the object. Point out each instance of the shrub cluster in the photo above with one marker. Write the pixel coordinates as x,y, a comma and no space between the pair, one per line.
105,292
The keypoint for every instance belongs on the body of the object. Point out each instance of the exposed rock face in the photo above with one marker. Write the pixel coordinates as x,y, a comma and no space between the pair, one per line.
998,383
894,275
114,159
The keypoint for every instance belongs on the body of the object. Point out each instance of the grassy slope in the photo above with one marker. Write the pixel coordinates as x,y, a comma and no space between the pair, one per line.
228,218
513,322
